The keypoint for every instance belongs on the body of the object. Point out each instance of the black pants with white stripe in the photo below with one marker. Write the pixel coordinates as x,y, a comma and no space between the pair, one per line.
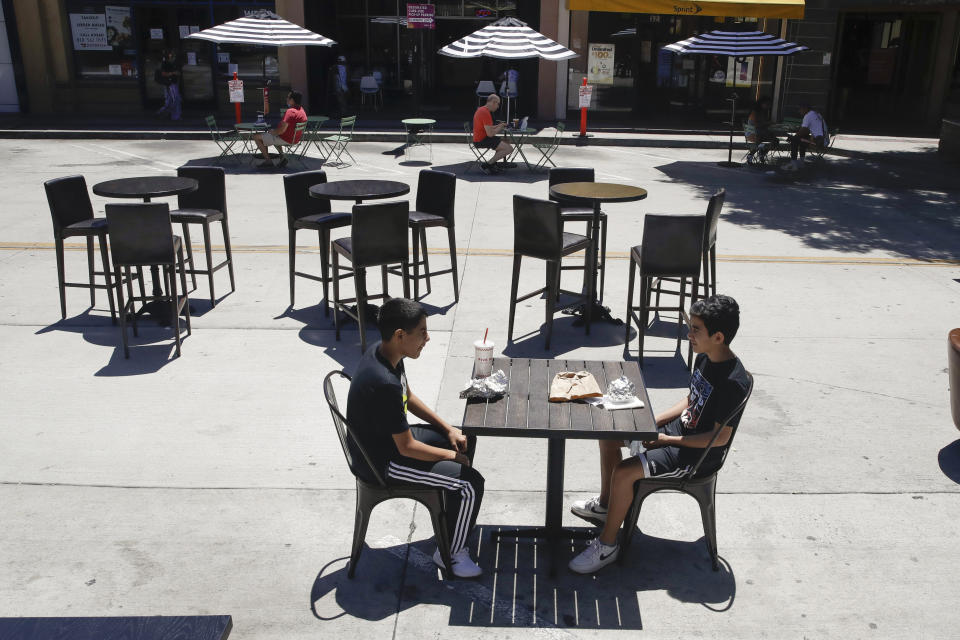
463,486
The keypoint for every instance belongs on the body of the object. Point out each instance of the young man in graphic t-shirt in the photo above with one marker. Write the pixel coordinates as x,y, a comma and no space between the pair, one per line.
433,455
717,386
286,132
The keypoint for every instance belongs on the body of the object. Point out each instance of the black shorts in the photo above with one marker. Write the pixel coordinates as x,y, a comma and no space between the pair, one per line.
664,461
491,142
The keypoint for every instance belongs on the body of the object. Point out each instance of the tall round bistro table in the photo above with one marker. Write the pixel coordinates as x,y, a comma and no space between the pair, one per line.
147,187
595,193
359,190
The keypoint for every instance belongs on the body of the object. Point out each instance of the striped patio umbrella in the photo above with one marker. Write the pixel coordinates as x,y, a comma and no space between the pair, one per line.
508,39
740,44
262,28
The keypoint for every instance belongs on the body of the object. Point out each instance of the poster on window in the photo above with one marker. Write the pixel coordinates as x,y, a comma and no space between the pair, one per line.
600,64
118,25
739,72
89,32
420,16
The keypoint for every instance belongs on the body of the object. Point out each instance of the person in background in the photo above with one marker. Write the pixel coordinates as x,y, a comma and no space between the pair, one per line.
169,76
486,134
338,84
812,133
284,134
756,128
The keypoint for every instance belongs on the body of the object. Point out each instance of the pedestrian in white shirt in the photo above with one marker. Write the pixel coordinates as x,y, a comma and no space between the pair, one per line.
812,133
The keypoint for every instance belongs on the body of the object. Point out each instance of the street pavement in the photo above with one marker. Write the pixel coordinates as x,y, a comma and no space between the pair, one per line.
214,483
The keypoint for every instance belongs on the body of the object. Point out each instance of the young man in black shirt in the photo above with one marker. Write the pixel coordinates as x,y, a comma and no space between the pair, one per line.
436,454
717,386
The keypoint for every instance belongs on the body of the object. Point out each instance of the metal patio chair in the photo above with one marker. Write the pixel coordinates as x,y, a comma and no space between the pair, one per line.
225,140
478,152
337,143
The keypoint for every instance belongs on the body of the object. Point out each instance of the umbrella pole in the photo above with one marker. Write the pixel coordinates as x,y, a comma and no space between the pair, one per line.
733,115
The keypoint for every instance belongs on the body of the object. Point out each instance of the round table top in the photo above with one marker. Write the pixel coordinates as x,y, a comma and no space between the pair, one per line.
145,187
419,121
359,189
598,191
251,125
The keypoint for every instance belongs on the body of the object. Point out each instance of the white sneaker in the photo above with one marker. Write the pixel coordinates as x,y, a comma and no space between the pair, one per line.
594,557
589,509
463,565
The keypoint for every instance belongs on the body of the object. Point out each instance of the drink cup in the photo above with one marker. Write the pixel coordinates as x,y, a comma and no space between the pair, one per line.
516,121
483,358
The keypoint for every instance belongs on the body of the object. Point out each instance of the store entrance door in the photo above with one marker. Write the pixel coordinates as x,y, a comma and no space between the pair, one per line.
884,71
165,27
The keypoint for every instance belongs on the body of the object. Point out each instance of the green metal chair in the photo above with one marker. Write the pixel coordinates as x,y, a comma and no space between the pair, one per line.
312,134
337,143
295,150
478,152
223,139
548,147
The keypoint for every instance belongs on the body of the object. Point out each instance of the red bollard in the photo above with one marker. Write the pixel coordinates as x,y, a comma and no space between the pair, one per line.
236,105
583,116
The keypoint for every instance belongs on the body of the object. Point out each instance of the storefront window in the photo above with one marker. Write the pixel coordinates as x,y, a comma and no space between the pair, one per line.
102,41
621,55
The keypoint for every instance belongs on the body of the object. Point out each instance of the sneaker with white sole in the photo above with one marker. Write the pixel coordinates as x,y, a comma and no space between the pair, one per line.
589,509
463,565
596,556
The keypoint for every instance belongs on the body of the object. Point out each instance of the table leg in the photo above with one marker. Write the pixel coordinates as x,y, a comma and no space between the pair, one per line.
591,276
157,308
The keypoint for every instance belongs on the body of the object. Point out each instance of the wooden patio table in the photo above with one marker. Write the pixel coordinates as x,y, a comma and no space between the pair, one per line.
526,412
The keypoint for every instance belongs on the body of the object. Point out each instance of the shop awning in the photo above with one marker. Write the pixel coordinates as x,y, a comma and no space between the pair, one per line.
728,8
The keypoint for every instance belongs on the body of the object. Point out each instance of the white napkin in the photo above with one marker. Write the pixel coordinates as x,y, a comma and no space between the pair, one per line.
634,403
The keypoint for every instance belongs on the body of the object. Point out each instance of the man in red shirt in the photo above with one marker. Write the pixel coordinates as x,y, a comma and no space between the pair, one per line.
485,133
283,135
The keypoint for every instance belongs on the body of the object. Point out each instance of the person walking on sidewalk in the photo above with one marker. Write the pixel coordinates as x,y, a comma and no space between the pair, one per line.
168,75
433,455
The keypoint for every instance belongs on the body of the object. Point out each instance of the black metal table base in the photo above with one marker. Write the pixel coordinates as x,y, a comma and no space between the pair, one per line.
159,310
599,313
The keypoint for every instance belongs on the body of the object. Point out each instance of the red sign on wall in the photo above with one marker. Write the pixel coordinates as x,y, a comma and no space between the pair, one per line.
420,16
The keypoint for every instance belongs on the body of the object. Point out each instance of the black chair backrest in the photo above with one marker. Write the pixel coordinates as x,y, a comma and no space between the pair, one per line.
140,233
344,432
211,190
69,201
379,233
562,175
672,245
436,192
537,228
713,216
296,190
735,415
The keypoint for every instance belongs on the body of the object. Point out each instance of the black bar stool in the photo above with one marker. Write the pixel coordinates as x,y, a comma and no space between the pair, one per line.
141,235
577,213
672,247
378,238
538,233
436,191
205,205
304,212
72,216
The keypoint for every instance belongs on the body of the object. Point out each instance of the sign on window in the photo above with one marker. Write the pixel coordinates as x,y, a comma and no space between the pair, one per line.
420,16
89,32
600,64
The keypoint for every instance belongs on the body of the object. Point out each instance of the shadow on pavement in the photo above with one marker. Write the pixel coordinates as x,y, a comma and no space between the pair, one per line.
516,589
145,356
245,164
949,459
850,208
518,175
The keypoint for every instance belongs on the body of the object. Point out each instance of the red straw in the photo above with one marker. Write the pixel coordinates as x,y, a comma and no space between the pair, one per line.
485,335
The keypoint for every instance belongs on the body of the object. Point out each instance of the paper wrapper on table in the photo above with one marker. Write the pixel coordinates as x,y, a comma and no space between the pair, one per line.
574,385
491,386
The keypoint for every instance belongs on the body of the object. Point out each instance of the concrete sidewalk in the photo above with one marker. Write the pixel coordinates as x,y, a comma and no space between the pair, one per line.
214,483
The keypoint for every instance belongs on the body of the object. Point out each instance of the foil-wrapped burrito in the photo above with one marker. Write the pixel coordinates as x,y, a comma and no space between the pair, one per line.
490,386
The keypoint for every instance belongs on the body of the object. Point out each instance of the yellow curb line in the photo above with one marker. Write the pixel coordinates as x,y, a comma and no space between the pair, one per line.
611,255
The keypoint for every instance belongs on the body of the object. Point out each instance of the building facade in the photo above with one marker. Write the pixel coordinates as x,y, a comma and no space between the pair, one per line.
888,66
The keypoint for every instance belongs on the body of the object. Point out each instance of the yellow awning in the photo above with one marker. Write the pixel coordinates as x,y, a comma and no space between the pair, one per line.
729,8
